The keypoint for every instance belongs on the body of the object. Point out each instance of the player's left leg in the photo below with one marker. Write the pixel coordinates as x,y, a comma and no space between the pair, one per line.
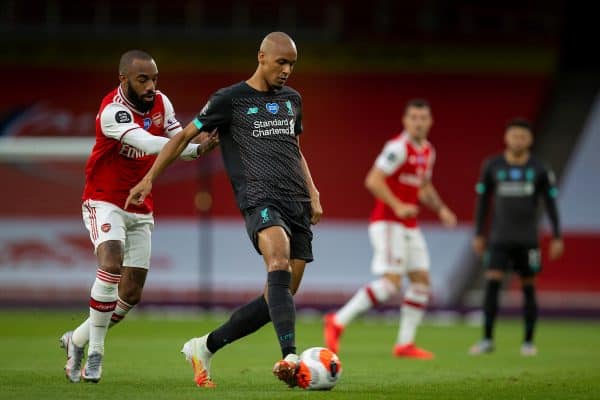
530,314
416,297
412,311
388,264
274,245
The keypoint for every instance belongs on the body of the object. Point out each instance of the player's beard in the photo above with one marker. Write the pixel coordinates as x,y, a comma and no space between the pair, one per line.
139,103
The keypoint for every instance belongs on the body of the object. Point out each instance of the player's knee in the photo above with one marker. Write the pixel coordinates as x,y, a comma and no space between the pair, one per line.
528,281
394,279
279,264
131,295
494,275
110,256
420,277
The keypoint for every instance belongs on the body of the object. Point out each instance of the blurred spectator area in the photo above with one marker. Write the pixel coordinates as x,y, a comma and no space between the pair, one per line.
380,34
336,20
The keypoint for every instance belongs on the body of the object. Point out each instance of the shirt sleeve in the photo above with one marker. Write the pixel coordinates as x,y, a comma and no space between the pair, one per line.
391,157
216,113
549,193
117,123
171,125
116,120
484,189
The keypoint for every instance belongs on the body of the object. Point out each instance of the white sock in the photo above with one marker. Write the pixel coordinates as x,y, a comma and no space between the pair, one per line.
103,301
81,334
412,311
376,292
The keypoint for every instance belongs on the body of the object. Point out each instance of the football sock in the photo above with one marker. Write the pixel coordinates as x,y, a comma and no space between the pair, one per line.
530,311
243,321
282,310
81,334
376,292
490,307
412,311
103,301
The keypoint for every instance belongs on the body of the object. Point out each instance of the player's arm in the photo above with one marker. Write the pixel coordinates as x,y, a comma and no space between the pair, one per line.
430,197
484,188
117,123
550,193
167,155
216,113
315,201
389,160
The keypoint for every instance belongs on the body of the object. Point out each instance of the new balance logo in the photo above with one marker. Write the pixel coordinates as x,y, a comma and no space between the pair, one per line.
252,110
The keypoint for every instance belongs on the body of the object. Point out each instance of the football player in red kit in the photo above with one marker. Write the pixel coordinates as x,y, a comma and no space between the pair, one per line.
399,179
130,130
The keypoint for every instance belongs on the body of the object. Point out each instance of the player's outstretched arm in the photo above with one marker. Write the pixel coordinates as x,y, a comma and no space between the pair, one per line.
167,155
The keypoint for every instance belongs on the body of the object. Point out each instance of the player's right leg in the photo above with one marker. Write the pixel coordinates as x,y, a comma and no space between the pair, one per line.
133,275
274,245
389,249
493,284
107,231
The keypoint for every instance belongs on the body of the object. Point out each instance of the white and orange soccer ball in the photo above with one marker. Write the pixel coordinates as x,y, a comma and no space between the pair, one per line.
320,369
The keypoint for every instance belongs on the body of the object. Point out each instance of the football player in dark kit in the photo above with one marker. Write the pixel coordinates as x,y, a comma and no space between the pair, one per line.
516,180
258,123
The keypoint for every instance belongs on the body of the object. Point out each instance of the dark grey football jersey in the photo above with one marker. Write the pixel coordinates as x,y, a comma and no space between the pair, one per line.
258,138
516,191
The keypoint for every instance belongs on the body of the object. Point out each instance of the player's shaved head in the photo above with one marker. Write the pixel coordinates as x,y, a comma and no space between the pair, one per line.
277,41
129,57
276,59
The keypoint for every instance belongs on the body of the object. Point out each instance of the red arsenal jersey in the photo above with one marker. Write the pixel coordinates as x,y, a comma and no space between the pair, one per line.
114,167
407,165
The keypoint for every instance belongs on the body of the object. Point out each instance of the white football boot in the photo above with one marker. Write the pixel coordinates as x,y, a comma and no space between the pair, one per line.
198,355
74,357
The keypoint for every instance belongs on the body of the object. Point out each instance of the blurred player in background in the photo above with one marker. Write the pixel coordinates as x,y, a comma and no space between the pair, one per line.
259,121
130,129
400,178
516,180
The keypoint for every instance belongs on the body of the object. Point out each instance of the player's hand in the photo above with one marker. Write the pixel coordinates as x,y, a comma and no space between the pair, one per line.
207,141
138,193
556,249
447,217
478,245
406,210
317,209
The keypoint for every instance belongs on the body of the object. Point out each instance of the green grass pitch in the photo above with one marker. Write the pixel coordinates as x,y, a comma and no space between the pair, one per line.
143,361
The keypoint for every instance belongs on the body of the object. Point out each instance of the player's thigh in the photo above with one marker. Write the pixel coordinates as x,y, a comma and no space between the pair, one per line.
138,242
497,260
107,228
389,248
417,257
268,231
298,214
527,261
274,245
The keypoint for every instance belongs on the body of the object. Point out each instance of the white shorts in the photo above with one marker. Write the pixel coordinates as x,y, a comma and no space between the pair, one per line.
105,221
397,249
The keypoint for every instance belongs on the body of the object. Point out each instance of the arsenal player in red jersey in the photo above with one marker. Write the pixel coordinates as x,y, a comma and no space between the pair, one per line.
130,130
399,179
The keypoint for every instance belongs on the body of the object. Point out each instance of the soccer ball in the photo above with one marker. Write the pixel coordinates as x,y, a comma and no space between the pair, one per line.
320,369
